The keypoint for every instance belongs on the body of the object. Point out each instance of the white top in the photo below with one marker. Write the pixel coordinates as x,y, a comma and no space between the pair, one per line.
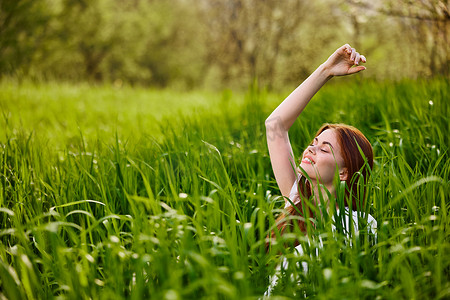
371,222
293,194
294,197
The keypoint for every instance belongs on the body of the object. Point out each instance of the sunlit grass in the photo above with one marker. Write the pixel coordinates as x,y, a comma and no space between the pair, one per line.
138,194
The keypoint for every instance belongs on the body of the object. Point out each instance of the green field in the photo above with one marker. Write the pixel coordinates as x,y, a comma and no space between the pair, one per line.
132,193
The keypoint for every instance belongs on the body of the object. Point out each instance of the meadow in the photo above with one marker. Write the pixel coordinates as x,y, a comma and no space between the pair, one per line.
111,193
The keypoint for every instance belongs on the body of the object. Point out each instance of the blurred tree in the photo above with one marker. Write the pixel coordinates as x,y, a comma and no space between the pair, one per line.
423,25
174,43
23,26
139,41
92,31
246,36
217,42
430,21
99,40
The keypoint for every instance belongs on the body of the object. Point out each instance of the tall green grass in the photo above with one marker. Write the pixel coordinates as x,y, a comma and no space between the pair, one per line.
136,194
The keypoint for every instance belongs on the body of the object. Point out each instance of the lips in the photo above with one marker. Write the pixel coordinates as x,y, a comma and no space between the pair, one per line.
308,160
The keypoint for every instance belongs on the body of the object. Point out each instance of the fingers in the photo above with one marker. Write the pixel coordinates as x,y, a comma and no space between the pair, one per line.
351,59
353,54
359,58
347,48
355,57
356,69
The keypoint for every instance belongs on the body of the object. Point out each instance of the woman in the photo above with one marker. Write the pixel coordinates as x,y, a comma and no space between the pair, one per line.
338,153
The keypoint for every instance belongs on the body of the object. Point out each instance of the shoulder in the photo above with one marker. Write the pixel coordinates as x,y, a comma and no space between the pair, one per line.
293,194
363,219
372,222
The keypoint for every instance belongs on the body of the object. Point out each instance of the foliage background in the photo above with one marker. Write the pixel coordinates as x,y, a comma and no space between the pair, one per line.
217,43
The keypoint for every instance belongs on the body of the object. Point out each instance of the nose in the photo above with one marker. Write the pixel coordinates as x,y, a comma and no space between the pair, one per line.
312,149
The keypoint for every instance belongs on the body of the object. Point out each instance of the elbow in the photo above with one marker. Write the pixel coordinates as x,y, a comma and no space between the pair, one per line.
267,122
274,124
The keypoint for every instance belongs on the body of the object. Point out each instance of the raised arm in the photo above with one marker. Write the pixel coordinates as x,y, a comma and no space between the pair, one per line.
343,61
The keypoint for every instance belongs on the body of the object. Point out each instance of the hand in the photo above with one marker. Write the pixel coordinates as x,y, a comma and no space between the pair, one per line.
344,61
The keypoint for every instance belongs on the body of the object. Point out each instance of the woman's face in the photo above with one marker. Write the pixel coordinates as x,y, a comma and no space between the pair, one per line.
319,160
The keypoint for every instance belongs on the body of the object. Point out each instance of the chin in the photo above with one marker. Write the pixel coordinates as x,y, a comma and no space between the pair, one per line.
308,169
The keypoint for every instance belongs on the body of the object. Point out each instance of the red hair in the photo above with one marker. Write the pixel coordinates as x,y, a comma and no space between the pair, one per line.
357,154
